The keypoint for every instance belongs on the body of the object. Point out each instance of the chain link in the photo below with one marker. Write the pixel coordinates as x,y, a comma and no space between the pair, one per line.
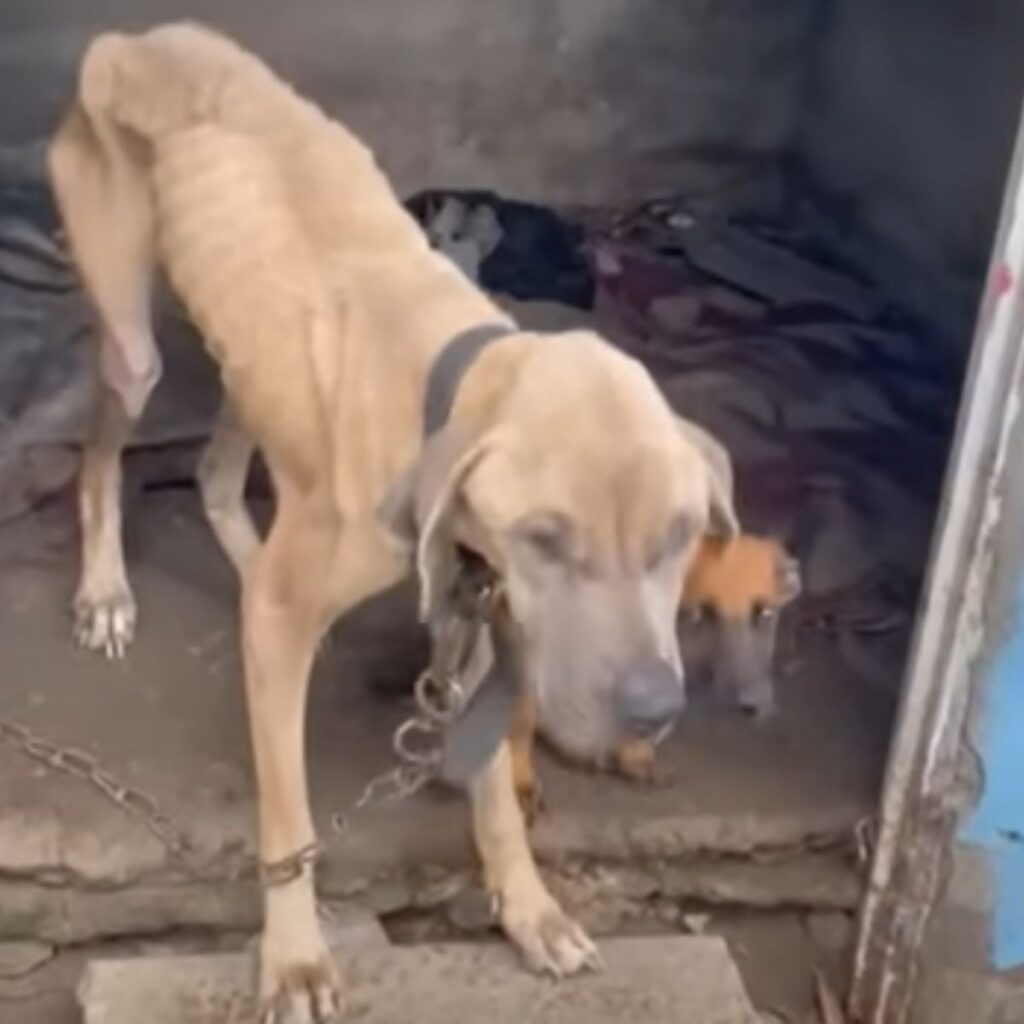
133,801
419,762
439,698
276,873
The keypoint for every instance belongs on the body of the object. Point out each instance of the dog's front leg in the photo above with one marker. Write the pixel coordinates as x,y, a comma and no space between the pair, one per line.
550,941
528,787
282,621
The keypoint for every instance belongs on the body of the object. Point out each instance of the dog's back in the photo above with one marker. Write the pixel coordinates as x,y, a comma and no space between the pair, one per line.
176,76
264,210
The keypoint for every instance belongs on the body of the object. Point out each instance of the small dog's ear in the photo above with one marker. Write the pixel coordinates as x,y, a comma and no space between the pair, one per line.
722,519
418,511
788,577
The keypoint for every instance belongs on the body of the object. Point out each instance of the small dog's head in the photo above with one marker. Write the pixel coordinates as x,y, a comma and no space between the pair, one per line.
570,476
732,597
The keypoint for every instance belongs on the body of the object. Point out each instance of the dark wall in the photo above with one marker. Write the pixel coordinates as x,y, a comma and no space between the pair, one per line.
556,99
910,116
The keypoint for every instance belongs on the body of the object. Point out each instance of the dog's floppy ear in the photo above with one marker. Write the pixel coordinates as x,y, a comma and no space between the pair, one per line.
418,510
722,521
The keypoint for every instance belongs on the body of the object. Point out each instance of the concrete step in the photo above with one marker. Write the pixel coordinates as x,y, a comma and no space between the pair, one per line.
654,980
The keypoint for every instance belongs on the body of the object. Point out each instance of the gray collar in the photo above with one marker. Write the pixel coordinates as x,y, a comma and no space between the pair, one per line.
471,739
450,366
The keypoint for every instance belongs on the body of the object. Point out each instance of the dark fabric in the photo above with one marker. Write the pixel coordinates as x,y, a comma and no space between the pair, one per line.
540,257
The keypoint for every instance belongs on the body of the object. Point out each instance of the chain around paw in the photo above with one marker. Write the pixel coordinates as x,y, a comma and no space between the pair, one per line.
276,873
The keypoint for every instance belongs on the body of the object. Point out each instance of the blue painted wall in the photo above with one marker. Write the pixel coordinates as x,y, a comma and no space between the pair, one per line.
997,824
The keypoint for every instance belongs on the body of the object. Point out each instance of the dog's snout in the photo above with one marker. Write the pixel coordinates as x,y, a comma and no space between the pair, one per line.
757,707
749,708
650,697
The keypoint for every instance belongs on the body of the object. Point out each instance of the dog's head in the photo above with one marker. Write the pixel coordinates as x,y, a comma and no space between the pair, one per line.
588,498
732,598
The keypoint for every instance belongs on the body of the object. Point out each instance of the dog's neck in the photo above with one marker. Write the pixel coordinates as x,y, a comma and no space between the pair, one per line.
449,368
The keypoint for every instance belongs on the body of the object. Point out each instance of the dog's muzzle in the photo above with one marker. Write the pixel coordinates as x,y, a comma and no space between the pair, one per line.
649,698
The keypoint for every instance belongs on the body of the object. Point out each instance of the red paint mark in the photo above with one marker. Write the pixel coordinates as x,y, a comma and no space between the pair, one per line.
1002,280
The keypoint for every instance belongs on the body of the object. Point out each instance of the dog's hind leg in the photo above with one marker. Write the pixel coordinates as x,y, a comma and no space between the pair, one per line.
223,468
103,197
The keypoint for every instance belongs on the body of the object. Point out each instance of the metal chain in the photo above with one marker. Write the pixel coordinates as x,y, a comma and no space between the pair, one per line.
132,800
276,873
439,698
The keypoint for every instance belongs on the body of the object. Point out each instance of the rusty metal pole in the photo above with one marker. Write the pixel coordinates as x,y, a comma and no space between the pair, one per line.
922,800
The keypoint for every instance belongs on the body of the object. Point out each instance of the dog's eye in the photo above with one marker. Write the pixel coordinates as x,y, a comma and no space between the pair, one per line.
702,614
548,537
761,613
547,543
673,542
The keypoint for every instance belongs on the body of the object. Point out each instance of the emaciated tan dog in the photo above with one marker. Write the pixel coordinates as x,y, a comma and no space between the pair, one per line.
324,306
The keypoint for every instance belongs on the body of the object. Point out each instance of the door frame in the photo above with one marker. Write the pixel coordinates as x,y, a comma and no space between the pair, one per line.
923,795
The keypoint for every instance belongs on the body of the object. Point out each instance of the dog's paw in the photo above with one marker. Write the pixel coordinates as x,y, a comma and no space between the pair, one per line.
550,941
297,989
105,622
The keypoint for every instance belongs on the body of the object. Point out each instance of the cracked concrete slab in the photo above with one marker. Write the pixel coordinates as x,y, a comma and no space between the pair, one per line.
46,995
170,720
655,980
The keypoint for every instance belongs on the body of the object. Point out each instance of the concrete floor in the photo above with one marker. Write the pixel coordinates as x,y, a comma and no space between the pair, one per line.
774,953
752,817
659,980
169,719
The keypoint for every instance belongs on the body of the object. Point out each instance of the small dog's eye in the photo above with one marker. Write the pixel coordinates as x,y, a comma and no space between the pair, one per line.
761,613
701,614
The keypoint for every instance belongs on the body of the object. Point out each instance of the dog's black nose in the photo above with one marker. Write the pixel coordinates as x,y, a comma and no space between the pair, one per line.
650,697
758,708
